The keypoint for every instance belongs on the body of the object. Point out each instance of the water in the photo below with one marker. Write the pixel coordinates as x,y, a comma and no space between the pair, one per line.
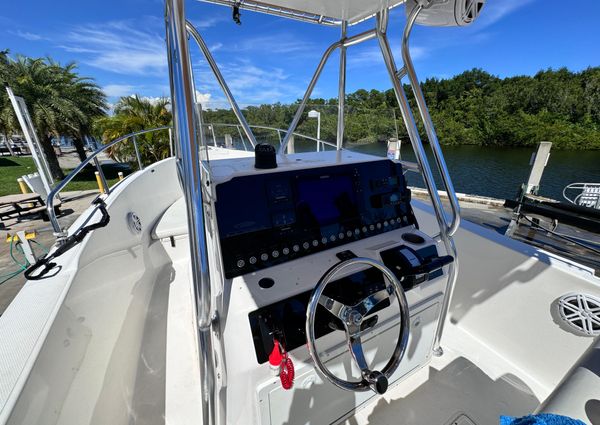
499,172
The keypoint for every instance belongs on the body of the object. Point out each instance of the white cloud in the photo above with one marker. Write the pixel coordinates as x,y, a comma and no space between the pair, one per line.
495,10
76,49
215,47
203,98
418,52
152,93
118,90
209,22
118,47
28,35
250,84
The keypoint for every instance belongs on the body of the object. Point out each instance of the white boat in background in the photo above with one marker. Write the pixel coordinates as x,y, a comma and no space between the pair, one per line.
225,286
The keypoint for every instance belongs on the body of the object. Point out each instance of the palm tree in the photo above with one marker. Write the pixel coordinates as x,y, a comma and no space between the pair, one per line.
6,122
59,101
89,99
132,114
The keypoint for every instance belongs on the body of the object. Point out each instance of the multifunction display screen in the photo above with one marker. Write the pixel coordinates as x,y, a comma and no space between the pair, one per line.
326,200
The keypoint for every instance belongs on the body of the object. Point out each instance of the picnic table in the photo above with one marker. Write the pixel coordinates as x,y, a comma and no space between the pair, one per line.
28,203
16,148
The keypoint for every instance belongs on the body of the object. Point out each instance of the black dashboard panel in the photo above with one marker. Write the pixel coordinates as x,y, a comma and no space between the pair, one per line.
268,219
285,319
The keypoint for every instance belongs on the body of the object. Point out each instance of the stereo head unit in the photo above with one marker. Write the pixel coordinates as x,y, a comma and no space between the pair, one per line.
269,218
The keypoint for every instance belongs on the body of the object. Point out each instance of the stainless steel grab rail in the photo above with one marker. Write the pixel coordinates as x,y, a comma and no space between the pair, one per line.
427,122
344,42
410,123
307,94
58,231
445,234
341,90
217,73
188,134
278,130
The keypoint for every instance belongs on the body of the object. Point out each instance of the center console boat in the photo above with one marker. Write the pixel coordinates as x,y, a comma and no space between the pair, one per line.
232,287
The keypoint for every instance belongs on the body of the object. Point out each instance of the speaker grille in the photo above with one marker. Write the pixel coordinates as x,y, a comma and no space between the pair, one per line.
134,222
471,11
581,312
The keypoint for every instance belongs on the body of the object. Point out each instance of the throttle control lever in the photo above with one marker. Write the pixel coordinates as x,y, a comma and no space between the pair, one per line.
431,265
410,266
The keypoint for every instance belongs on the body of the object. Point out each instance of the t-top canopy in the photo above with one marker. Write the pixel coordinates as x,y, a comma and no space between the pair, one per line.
327,12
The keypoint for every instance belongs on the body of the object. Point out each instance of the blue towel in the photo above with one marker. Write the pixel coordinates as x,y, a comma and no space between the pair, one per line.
543,419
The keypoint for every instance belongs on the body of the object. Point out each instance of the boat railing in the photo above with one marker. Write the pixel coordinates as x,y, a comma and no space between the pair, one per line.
588,196
93,157
320,144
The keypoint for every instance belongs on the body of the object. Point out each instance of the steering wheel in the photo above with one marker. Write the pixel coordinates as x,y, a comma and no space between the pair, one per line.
352,317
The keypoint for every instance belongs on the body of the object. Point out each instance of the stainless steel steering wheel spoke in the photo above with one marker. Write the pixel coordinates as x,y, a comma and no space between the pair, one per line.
370,302
358,355
374,379
336,308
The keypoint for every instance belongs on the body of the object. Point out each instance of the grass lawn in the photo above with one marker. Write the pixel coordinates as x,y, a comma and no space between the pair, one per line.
11,168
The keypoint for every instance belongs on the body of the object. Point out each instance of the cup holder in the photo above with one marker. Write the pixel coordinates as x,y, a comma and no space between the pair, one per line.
413,238
266,283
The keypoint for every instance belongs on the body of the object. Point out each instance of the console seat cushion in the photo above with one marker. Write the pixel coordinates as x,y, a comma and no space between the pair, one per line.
173,221
578,395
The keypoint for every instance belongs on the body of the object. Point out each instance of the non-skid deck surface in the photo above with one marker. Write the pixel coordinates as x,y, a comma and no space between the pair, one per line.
457,393
498,218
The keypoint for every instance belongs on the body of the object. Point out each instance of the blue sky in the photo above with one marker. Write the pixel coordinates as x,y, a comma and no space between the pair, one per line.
269,59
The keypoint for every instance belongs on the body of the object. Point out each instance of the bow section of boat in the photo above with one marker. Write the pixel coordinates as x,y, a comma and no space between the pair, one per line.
83,328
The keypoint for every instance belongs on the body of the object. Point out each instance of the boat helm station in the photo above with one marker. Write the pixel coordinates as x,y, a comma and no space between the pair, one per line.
256,286
330,266
337,219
